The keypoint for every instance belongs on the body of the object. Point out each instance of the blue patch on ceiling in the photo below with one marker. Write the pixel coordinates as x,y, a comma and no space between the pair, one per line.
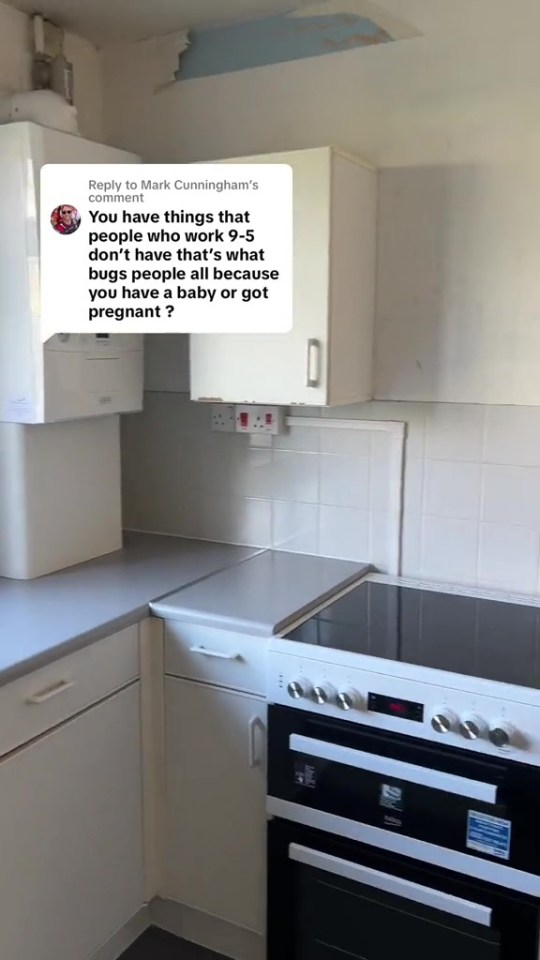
276,39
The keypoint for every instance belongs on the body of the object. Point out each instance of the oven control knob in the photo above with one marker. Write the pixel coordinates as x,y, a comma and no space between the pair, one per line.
347,699
443,721
472,727
502,734
324,693
297,689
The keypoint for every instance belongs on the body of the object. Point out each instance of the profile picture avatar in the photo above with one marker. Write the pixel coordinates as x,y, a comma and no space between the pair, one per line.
65,219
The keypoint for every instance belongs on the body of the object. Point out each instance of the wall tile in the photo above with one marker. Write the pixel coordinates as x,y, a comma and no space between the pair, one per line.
188,418
382,476
344,481
509,557
240,520
455,431
344,533
413,492
382,526
253,476
411,546
295,476
347,442
513,435
306,439
295,526
326,490
452,489
449,549
511,495
413,414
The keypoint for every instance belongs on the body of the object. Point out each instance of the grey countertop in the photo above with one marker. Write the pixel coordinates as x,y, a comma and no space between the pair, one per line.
241,588
261,596
43,619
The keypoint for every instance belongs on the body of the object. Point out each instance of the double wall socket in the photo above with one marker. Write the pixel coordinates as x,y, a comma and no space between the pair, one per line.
251,419
259,420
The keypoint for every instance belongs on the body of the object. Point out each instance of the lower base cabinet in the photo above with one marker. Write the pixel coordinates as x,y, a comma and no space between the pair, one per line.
215,821
71,834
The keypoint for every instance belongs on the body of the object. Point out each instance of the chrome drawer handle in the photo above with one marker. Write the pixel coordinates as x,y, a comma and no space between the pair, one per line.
50,692
205,652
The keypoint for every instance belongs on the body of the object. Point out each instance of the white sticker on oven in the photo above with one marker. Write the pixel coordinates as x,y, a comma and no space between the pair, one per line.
488,834
305,775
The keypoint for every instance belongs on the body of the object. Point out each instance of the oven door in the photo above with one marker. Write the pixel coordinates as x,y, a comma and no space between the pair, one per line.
334,900
473,814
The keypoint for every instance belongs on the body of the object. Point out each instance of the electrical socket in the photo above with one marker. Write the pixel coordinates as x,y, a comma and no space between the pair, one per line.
255,420
223,418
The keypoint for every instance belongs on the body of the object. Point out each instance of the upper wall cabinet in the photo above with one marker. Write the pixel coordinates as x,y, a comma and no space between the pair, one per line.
326,359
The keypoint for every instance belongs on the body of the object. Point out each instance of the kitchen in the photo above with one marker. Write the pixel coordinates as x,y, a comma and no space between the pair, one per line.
428,471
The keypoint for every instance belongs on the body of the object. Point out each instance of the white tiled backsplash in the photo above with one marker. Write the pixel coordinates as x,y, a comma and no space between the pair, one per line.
471,501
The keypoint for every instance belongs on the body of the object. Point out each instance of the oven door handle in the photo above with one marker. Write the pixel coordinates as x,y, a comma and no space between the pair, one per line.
398,769
387,883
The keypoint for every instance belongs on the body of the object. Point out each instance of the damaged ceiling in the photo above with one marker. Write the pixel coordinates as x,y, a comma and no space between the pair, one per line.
103,21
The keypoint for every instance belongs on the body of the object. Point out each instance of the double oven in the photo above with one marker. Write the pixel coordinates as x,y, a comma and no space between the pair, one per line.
403,791
384,846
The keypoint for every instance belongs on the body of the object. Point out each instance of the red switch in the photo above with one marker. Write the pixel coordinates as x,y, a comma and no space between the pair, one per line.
268,419
244,420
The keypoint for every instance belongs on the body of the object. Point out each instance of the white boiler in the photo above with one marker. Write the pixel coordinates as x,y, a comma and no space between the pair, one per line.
69,377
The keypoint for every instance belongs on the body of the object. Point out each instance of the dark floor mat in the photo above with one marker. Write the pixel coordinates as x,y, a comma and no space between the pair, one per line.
157,945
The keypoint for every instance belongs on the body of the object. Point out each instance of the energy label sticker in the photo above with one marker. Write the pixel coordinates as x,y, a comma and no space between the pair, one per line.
488,834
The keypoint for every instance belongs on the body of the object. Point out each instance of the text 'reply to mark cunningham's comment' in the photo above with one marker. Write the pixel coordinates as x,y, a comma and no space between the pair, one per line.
166,248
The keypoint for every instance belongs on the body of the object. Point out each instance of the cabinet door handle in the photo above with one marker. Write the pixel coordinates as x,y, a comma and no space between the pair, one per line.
219,654
50,692
253,758
313,356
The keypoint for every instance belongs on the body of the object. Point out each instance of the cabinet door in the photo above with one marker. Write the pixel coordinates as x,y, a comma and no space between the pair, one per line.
71,867
274,368
215,836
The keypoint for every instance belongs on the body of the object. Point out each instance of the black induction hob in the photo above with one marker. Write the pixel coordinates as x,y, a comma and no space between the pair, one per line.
490,639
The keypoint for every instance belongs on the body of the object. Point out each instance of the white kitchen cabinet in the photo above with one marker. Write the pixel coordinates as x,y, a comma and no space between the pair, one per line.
215,824
71,863
221,658
326,359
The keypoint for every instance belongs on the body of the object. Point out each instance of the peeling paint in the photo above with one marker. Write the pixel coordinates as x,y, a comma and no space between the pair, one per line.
276,39
358,40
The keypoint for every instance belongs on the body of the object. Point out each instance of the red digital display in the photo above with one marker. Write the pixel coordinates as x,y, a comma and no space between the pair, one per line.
390,706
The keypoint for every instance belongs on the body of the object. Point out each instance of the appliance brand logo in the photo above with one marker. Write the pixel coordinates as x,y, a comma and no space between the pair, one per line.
391,797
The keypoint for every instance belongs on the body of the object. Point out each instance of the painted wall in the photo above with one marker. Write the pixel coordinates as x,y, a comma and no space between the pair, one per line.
458,108
452,120
463,92
15,67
